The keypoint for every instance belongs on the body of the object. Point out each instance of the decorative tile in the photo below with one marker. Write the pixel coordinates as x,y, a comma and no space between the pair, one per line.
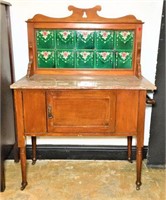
124,40
104,59
123,59
45,39
85,59
65,39
104,39
104,49
65,59
46,59
85,39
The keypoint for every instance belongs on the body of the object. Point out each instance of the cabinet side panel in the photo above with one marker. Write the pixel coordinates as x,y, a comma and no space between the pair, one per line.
34,111
19,118
127,111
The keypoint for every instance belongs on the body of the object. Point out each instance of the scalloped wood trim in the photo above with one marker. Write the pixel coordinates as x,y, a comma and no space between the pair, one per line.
85,15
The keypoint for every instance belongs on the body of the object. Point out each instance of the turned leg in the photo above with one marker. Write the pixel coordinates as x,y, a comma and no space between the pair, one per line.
129,146
139,167
140,137
33,150
23,167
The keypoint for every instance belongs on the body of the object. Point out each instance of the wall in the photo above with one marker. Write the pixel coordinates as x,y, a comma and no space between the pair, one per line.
149,11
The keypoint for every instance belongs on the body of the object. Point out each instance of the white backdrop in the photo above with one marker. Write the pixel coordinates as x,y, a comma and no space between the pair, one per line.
149,11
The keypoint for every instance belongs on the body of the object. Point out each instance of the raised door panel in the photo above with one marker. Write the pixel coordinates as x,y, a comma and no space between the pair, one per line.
34,106
127,111
81,111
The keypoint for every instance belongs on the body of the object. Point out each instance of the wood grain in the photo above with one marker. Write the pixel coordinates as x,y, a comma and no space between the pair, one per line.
34,104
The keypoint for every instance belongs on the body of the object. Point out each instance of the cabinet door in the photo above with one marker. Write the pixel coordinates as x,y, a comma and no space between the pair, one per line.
81,111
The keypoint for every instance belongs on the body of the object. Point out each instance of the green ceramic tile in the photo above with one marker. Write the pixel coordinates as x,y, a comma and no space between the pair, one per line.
65,39
85,39
104,49
85,59
104,59
104,39
46,59
65,59
45,39
123,59
124,40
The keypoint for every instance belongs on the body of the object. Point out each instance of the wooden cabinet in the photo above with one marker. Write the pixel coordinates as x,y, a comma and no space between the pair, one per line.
83,79
77,112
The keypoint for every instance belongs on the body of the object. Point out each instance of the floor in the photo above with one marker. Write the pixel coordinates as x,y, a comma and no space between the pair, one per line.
83,180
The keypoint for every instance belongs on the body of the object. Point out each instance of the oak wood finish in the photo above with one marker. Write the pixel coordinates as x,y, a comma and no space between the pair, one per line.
127,109
63,102
81,111
34,102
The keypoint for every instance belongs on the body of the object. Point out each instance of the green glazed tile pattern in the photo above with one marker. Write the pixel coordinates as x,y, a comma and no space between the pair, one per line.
123,59
45,39
106,49
104,59
46,59
65,59
65,39
85,59
85,40
104,39
124,40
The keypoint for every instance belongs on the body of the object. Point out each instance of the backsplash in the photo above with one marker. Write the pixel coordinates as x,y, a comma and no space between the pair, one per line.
99,49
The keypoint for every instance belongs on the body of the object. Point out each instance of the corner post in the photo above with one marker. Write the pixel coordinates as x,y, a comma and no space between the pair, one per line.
20,134
140,136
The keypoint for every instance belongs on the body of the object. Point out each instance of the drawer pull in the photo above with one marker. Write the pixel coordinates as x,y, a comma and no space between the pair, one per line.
49,109
149,100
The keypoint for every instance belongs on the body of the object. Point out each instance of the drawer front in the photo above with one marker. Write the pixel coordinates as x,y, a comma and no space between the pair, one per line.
81,111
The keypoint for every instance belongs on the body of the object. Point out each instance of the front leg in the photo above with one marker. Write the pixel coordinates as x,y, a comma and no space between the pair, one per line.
140,137
139,167
23,167
18,100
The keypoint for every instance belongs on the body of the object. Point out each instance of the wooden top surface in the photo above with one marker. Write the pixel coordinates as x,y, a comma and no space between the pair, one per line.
83,82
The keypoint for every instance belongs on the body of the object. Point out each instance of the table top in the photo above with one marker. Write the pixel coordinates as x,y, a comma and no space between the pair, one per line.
83,82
